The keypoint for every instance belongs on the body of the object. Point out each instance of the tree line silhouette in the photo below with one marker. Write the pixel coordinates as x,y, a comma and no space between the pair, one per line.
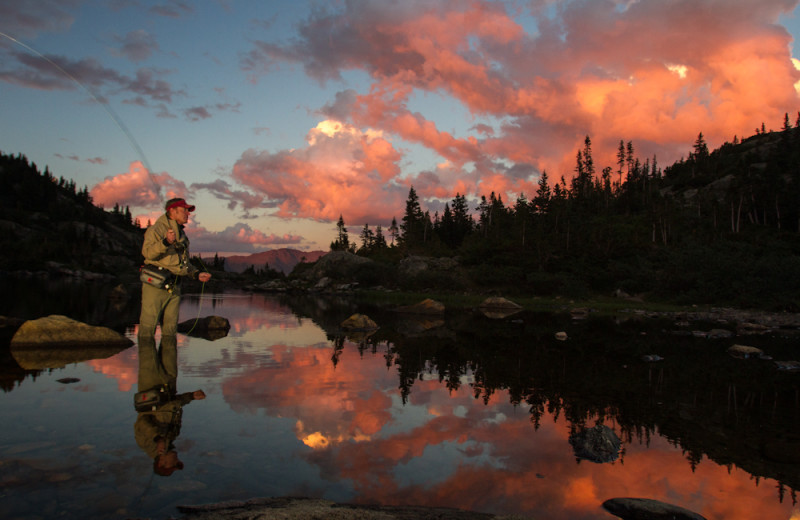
717,226
49,219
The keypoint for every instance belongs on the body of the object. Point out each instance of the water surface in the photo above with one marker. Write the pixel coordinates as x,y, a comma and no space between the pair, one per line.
466,412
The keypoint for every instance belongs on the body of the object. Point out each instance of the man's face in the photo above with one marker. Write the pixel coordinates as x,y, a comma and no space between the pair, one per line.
179,215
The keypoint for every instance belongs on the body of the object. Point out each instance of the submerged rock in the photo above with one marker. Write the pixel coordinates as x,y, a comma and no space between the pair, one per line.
496,307
788,366
648,509
599,444
209,327
360,323
744,352
579,313
746,328
359,327
426,306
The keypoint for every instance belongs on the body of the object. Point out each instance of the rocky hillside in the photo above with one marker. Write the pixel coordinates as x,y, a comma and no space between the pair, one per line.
282,260
48,225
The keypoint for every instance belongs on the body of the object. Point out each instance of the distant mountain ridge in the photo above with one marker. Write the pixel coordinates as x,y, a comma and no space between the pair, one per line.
282,260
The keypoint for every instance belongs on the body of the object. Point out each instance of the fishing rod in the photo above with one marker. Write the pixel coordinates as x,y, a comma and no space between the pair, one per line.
117,120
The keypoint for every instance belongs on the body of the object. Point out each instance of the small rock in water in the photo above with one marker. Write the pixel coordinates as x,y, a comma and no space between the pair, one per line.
68,380
789,366
744,351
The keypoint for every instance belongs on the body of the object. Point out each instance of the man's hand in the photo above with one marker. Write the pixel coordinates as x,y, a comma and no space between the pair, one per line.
204,277
170,236
198,394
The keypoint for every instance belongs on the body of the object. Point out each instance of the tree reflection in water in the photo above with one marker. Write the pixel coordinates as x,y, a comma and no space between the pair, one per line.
735,412
457,411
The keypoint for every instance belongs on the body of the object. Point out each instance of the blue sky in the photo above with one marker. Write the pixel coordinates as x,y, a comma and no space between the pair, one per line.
276,117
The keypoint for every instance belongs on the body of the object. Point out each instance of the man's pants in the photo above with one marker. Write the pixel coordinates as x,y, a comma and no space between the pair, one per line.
158,367
159,303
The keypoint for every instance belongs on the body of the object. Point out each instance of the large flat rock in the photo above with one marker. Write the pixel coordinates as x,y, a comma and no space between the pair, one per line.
648,509
55,341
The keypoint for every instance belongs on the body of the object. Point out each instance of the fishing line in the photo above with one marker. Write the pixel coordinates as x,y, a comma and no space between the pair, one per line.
104,104
114,117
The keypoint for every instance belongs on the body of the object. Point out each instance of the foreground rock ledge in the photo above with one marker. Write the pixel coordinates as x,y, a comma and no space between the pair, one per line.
312,508
648,509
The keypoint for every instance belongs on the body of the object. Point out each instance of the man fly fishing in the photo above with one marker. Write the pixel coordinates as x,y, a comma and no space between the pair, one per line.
166,262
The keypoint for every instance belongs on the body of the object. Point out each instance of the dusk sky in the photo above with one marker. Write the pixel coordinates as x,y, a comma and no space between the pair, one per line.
276,117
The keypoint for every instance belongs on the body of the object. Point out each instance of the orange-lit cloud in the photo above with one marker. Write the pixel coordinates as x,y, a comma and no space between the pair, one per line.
137,187
343,169
521,87
653,72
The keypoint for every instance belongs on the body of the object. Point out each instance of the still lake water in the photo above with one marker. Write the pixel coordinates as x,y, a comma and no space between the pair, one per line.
466,412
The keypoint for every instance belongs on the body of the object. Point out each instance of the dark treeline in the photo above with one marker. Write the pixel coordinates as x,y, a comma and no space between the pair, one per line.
48,219
715,227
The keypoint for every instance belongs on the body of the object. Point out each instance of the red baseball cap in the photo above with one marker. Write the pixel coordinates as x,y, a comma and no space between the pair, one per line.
179,203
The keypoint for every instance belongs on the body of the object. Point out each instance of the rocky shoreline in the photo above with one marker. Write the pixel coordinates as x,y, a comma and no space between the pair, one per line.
301,508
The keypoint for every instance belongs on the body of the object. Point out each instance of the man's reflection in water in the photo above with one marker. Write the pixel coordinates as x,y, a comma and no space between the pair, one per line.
157,428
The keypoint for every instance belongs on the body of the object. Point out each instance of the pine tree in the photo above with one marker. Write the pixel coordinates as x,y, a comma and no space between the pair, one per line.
541,201
620,161
394,231
413,224
367,239
342,242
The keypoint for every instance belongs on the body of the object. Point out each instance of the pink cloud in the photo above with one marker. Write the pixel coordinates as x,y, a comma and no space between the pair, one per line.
653,72
341,167
137,187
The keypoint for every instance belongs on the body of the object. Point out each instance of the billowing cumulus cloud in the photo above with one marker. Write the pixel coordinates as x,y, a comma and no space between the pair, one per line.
341,168
654,72
137,187
467,97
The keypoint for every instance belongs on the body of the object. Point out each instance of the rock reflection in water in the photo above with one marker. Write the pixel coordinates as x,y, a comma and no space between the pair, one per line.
474,413
698,397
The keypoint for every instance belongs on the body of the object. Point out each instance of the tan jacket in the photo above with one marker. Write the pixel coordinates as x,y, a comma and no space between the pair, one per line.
173,257
163,423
